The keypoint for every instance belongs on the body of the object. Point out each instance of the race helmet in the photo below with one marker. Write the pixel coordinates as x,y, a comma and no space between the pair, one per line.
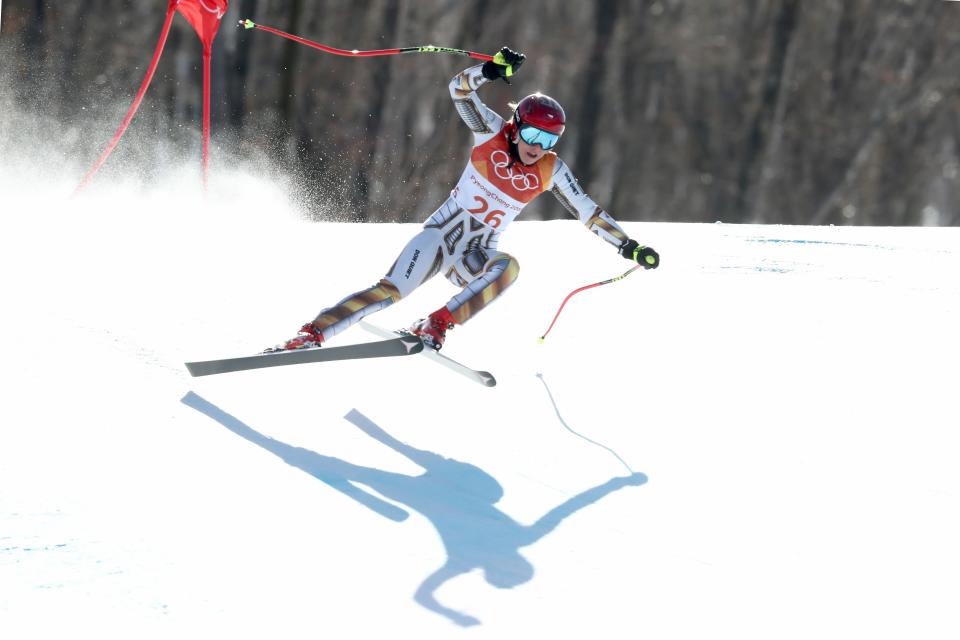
542,112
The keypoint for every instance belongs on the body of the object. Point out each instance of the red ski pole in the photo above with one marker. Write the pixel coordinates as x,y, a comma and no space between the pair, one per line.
584,288
250,24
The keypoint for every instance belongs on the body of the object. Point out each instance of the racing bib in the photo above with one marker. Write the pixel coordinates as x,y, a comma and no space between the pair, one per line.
494,189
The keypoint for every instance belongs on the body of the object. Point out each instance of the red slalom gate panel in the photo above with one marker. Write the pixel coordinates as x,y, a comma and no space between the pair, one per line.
205,17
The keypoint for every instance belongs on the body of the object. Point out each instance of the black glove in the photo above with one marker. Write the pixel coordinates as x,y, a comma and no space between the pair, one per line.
503,65
645,256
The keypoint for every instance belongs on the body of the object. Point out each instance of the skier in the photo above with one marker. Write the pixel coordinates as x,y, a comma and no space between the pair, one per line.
511,163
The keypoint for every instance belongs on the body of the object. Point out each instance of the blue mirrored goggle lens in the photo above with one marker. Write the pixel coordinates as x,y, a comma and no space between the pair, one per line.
532,135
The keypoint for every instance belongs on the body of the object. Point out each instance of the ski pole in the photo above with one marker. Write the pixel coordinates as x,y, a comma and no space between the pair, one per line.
584,288
250,24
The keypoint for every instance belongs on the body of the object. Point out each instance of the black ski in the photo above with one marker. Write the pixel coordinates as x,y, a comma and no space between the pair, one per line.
402,346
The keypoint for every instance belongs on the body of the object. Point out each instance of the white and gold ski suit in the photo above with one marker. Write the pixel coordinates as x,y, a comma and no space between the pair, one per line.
460,238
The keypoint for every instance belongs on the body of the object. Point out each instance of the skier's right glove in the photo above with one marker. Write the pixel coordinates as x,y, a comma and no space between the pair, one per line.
644,256
503,65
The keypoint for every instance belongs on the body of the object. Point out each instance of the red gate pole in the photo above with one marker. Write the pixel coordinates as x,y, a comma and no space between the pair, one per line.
171,8
204,16
207,56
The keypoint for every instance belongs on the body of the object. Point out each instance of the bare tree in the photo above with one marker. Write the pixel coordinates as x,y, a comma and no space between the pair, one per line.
785,111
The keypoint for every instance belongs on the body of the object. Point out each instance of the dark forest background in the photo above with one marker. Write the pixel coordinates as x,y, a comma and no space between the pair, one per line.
761,111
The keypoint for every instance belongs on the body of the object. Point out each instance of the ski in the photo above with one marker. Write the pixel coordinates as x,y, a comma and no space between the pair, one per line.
483,377
394,346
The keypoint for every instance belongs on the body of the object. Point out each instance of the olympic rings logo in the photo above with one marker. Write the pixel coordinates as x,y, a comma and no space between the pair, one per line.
519,180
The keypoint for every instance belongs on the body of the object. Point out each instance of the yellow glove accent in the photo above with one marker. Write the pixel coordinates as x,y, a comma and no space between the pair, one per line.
499,59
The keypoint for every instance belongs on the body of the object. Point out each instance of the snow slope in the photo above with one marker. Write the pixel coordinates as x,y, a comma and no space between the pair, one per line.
757,440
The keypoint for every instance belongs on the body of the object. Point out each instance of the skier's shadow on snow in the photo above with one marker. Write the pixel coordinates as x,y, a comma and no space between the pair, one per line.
458,498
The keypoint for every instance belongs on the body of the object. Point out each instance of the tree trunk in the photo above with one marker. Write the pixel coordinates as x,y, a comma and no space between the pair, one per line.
605,18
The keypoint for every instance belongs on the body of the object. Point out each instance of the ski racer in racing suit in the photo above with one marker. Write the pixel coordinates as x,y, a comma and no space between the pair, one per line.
511,164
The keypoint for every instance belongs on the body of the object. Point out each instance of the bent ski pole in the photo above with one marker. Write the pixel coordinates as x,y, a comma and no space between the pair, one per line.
576,291
250,24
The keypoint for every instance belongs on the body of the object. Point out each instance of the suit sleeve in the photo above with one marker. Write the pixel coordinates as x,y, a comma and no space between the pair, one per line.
582,207
482,120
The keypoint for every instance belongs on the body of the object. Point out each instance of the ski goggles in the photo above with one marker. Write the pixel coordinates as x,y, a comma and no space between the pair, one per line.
532,135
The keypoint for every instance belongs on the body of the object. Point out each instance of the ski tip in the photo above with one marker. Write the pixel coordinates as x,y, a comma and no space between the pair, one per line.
487,379
247,24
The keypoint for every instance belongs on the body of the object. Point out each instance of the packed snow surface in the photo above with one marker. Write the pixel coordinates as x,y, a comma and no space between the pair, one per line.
757,440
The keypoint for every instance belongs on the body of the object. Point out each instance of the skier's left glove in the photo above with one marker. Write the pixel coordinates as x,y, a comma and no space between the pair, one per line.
644,256
503,65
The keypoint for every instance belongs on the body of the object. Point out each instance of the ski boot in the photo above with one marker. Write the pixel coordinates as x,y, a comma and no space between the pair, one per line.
309,337
433,330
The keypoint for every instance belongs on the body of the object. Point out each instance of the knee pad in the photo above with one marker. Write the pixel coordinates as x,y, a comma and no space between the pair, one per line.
508,268
499,274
